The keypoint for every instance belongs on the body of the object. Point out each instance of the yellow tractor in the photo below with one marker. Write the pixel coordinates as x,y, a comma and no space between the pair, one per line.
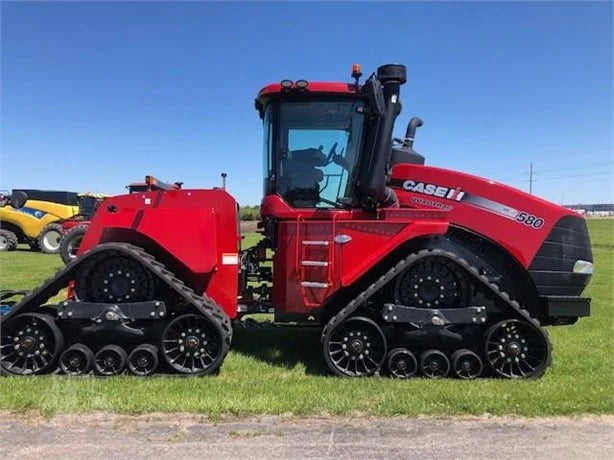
33,217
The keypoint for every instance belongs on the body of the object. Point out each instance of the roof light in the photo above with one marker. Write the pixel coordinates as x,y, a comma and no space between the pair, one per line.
301,84
356,74
286,84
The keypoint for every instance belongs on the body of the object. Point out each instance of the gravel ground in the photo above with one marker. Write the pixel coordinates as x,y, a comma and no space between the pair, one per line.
179,436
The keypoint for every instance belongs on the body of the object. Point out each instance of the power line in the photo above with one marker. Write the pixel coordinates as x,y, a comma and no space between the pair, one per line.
547,171
532,173
596,165
577,175
531,179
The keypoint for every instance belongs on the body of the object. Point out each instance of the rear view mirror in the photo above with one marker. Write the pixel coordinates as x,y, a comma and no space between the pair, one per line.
18,199
375,97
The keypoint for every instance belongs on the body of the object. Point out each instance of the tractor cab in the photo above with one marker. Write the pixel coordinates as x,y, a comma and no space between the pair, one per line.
328,145
88,203
312,145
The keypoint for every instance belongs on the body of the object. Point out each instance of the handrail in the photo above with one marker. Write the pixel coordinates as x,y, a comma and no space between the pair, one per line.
333,247
299,218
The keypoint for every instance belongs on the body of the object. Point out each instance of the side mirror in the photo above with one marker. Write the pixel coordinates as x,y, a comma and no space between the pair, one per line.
375,97
18,199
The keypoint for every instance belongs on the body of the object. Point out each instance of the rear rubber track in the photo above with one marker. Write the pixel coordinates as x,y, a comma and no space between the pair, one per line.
201,303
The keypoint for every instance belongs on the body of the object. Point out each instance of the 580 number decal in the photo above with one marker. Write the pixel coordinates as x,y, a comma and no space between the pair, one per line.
530,220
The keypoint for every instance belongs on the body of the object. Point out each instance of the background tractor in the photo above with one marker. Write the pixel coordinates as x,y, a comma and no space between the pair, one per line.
33,217
74,229
408,269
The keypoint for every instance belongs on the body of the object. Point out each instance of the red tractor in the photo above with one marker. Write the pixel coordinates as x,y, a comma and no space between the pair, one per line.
408,269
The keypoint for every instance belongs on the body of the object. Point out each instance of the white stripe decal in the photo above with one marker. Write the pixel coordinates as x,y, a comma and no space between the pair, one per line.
230,259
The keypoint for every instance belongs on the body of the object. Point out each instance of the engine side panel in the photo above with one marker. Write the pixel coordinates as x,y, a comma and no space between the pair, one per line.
513,219
197,228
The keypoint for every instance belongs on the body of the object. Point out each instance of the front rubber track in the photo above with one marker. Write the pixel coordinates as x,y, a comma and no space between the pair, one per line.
516,311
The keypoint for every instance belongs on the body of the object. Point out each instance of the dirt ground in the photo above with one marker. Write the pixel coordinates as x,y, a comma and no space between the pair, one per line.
101,436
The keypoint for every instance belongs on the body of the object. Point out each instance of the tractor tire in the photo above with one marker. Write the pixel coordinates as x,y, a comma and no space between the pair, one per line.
8,240
49,238
69,246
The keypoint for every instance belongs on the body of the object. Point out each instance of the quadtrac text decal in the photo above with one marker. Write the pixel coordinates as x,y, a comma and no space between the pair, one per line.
457,194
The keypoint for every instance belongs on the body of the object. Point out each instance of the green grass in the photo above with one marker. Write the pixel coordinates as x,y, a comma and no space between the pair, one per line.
279,370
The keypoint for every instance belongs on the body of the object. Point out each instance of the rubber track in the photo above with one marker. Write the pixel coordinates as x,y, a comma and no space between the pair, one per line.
54,285
382,281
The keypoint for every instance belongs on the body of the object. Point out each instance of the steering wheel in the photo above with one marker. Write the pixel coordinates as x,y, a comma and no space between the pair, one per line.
332,152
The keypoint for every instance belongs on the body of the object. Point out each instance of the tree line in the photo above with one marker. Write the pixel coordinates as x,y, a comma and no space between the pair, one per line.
249,212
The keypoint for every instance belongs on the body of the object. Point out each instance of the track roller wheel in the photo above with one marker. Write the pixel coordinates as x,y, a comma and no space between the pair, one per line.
192,344
434,364
143,360
77,359
402,363
466,364
30,344
355,347
517,349
110,360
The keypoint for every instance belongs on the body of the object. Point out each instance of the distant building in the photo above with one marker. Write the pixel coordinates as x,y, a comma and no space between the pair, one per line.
592,207
593,210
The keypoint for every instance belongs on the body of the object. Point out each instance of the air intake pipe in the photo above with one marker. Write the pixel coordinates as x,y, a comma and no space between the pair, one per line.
373,187
410,134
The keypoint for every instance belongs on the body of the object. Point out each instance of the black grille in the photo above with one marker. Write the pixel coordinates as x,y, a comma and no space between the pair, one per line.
552,267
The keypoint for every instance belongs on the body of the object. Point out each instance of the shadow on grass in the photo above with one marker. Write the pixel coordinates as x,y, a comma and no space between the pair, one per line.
284,346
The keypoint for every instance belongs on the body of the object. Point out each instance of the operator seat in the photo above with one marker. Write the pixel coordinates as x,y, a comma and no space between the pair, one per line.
299,184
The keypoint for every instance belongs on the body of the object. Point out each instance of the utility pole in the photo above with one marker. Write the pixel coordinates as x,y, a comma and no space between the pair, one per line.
531,179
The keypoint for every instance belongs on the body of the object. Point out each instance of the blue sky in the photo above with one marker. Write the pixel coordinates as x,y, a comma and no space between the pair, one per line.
96,95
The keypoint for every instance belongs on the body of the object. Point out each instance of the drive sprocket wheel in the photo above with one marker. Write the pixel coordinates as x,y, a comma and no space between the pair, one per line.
116,278
192,344
355,347
30,344
433,282
516,349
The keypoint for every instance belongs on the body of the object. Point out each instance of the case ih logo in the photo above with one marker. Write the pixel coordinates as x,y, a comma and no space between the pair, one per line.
455,194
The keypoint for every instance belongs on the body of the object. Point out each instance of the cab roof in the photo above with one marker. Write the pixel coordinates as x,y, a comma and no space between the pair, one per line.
317,87
312,86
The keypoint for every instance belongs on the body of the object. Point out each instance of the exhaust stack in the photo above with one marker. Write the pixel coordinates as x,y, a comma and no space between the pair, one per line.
373,184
